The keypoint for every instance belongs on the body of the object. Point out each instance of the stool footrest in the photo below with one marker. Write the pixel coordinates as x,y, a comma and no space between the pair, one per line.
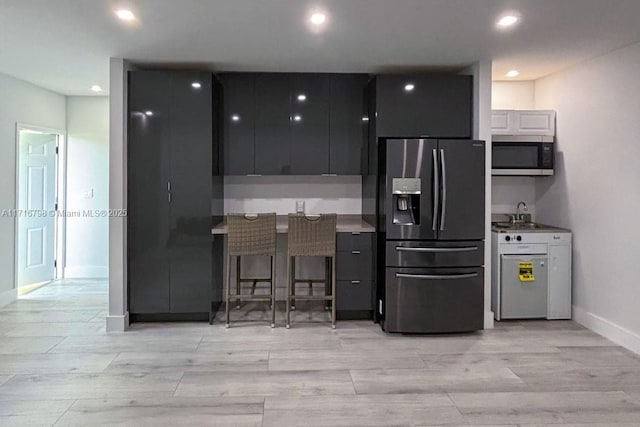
250,298
311,298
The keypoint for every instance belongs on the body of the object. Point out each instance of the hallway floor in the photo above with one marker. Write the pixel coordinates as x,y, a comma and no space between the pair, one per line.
58,367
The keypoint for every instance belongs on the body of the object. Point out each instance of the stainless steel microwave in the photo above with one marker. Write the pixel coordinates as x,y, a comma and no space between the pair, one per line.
522,155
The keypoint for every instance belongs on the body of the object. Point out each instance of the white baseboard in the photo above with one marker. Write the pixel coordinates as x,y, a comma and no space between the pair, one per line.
86,272
488,320
7,297
616,333
118,323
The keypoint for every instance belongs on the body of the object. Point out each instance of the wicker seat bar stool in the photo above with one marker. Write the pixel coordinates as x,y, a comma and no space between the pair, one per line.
251,236
312,237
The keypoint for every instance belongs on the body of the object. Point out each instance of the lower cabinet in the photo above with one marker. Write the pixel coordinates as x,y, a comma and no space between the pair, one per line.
354,274
171,151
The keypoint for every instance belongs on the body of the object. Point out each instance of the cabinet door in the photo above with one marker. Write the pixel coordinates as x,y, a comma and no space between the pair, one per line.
433,105
191,192
348,130
238,123
502,122
559,282
272,123
310,124
148,205
535,122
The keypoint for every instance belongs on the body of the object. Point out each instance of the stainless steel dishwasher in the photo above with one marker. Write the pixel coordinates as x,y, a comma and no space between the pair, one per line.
524,297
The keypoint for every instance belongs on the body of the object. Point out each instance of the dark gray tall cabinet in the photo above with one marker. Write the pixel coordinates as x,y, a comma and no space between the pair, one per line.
173,159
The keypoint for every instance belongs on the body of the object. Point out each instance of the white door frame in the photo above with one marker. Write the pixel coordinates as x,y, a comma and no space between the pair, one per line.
61,197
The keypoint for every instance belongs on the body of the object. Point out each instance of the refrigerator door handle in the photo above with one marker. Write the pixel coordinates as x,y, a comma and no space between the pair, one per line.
443,206
436,190
460,249
435,276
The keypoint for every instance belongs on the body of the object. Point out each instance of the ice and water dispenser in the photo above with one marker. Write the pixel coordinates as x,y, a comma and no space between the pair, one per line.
406,201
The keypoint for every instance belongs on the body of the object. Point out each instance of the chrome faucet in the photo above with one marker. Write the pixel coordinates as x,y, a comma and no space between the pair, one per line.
519,215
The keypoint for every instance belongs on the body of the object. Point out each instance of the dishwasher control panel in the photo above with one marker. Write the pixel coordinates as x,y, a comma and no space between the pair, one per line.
516,238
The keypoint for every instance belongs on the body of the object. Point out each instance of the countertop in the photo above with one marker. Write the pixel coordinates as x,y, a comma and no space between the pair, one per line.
345,224
540,228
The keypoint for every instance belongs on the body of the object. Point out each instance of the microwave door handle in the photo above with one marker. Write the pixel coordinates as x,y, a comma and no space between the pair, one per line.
443,206
436,190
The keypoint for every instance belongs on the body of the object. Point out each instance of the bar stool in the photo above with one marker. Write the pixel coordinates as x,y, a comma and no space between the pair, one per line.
312,236
251,235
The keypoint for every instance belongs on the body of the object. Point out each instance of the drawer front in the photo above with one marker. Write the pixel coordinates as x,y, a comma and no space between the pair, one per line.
432,254
434,300
353,295
354,265
347,242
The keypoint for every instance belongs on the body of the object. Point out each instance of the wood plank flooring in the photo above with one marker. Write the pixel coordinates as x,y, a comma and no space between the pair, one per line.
59,367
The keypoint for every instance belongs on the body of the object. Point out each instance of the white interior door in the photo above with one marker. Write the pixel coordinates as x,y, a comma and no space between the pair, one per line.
36,201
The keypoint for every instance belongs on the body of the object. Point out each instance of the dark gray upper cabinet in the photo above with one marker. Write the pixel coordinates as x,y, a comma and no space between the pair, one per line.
348,119
272,123
238,118
434,105
295,123
309,95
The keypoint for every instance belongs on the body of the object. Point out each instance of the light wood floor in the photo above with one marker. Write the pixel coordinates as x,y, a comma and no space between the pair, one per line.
57,366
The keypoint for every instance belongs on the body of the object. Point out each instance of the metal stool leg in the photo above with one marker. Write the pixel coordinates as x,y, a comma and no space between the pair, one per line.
288,300
228,290
273,291
238,290
327,285
293,283
333,292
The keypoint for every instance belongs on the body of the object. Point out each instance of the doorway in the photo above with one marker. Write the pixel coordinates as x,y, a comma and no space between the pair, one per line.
39,225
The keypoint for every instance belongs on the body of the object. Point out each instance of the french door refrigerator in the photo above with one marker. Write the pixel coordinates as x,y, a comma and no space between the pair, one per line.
432,221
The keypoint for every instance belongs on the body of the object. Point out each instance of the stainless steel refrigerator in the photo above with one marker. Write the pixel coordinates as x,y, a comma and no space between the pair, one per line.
431,219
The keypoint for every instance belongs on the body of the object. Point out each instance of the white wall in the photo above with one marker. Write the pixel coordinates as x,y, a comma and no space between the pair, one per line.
322,194
507,191
20,102
513,95
595,191
87,186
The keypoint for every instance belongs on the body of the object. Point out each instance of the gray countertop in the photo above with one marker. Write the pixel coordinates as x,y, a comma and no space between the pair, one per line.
345,224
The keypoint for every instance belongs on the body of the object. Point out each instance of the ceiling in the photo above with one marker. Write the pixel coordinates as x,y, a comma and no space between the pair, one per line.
65,45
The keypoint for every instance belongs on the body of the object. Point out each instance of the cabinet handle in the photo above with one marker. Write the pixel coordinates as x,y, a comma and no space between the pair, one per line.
355,233
459,249
355,252
329,174
169,191
355,282
435,276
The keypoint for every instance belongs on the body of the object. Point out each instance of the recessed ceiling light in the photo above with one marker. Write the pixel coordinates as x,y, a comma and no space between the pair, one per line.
148,113
508,21
318,18
235,118
297,118
302,97
125,15
409,87
96,88
513,73
196,85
